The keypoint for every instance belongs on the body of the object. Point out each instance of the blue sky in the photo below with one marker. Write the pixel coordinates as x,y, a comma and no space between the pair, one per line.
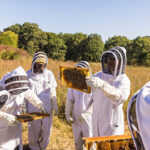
130,18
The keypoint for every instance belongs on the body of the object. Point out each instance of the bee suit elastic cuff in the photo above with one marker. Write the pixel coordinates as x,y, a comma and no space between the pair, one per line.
85,115
54,105
53,92
12,120
112,93
34,100
68,111
54,100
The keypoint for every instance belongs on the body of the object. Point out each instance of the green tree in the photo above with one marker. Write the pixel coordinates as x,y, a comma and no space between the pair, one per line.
42,41
14,28
72,42
131,54
9,38
31,38
116,41
56,49
141,48
91,48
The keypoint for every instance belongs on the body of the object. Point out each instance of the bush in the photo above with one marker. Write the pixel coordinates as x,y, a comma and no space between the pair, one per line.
9,38
9,55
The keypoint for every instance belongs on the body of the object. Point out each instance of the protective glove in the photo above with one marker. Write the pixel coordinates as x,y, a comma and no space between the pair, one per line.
84,117
68,109
42,108
54,105
12,120
95,82
69,119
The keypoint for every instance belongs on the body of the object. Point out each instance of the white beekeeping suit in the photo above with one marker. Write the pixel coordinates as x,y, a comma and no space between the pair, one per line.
139,118
16,91
111,88
44,85
78,111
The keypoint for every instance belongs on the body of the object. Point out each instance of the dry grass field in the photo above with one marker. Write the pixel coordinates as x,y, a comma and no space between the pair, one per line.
62,138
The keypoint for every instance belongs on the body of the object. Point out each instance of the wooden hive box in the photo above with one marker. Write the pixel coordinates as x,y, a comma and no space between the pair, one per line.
115,142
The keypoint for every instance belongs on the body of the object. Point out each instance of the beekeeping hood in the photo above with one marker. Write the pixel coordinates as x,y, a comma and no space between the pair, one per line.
39,57
118,54
122,50
142,113
4,95
16,81
84,64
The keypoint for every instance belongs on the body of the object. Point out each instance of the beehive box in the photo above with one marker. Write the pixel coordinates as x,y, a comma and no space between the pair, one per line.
74,78
31,116
117,142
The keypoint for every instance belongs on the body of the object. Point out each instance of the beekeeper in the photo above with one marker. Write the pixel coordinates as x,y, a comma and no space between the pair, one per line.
139,118
78,111
111,88
43,83
11,99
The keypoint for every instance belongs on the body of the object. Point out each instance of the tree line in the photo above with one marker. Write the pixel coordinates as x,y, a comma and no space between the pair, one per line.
75,47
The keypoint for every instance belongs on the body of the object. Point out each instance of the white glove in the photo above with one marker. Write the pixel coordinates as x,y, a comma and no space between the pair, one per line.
84,117
42,108
12,120
69,119
68,109
54,105
95,82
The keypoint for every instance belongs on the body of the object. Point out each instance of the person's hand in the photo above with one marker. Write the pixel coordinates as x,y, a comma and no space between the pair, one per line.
42,108
68,110
94,82
84,117
12,120
69,119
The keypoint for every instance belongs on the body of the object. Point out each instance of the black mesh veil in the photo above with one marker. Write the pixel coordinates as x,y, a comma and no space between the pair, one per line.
111,61
3,97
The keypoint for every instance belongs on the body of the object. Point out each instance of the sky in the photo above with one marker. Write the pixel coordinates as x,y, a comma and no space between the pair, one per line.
130,18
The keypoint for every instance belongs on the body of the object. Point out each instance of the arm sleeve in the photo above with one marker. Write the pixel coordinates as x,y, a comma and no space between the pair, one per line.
117,94
70,95
53,92
6,116
32,98
53,83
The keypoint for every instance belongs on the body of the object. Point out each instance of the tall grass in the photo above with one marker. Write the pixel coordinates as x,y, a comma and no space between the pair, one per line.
62,137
